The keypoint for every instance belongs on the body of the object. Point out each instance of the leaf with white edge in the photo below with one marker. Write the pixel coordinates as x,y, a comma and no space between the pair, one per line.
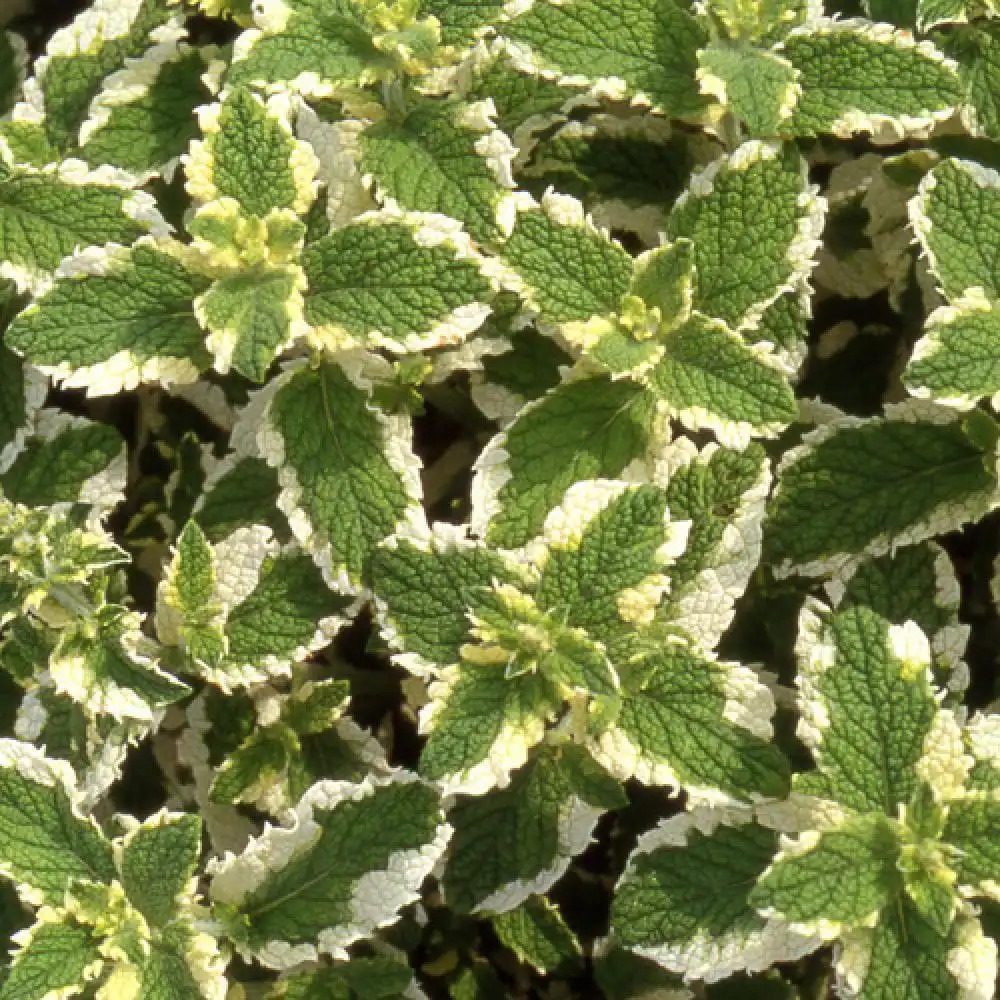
183,964
708,377
538,935
970,828
446,158
664,279
481,726
844,875
348,475
44,841
783,327
931,13
130,323
246,139
13,62
755,222
976,50
385,284
22,392
568,271
80,56
254,769
67,460
623,47
759,87
424,594
242,491
684,898
53,961
585,428
860,486
460,19
189,612
100,665
48,216
312,46
955,218
609,549
158,861
624,975
867,706
722,492
689,721
903,955
143,119
515,842
863,77
251,317
352,858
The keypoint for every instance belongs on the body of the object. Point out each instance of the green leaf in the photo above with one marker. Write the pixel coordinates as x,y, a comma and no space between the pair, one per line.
250,317
586,428
111,331
157,862
861,486
81,55
970,827
761,88
954,217
684,899
538,935
44,841
244,491
677,728
844,875
53,960
708,377
459,19
65,461
652,46
516,841
247,139
519,375
347,472
46,217
357,854
379,285
862,77
430,161
754,221
322,44
976,50
569,271
181,965
426,594
143,125
254,769
361,978
22,392
867,706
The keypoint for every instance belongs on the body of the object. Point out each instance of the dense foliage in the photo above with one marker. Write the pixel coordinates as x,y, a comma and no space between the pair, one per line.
498,499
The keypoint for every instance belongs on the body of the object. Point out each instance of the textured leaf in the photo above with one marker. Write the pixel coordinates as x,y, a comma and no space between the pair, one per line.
863,77
46,217
364,978
954,216
112,331
759,87
584,429
437,160
22,392
698,724
517,841
53,960
157,863
651,47
347,473
709,378
867,707
356,855
754,221
44,841
459,19
684,899
976,50
844,875
382,285
860,486
537,934
970,827
245,492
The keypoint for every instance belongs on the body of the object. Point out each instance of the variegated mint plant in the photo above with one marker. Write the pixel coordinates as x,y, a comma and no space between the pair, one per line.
498,499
